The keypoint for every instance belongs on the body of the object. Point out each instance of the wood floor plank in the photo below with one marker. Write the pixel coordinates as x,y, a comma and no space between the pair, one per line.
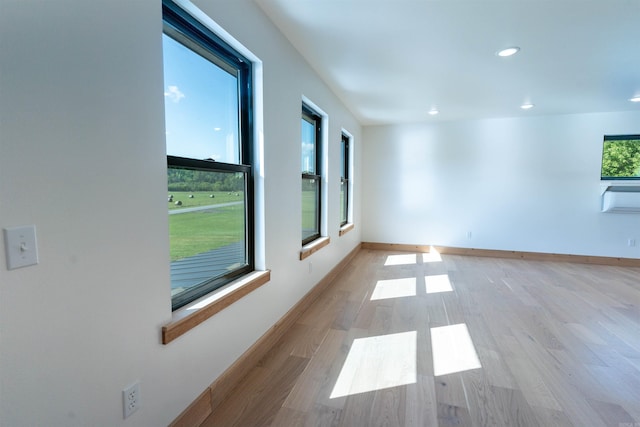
388,407
326,393
304,394
300,340
381,322
624,330
584,334
570,398
356,411
496,406
421,407
450,392
613,414
323,312
527,376
633,409
558,344
347,316
615,380
286,417
231,411
322,416
577,374
495,368
450,415
552,418
260,404
409,314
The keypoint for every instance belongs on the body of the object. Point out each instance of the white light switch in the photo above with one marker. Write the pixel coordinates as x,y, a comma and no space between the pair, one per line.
20,246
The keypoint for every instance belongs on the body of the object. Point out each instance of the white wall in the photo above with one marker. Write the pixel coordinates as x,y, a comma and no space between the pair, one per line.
82,157
525,184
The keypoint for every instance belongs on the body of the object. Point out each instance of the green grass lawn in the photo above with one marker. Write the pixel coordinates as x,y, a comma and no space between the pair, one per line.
309,211
193,233
201,198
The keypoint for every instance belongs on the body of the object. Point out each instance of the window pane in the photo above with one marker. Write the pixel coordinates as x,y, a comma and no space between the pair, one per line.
621,157
310,208
343,153
308,147
206,225
343,202
201,105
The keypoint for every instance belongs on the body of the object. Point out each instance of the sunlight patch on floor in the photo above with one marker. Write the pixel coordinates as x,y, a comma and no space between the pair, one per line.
438,283
403,259
395,288
453,350
377,363
432,256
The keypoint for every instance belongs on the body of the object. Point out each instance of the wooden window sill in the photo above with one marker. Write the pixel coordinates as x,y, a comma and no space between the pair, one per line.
191,315
346,228
314,247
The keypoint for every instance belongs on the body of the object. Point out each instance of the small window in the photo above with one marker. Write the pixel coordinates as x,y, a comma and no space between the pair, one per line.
621,157
344,180
311,174
209,160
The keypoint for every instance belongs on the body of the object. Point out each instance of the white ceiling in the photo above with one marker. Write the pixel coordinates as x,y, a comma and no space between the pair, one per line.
391,61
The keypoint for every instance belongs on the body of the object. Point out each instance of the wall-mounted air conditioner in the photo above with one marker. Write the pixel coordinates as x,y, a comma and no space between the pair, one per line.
621,199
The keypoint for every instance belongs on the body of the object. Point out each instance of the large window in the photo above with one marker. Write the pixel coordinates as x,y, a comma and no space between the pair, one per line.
344,179
208,136
311,174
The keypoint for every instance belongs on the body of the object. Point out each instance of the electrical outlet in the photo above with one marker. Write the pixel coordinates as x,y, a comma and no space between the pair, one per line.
468,234
631,242
131,399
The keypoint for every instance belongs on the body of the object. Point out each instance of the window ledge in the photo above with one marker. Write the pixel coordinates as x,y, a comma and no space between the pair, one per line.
191,315
314,247
346,228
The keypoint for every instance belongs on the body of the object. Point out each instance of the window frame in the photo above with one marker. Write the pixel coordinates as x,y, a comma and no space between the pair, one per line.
311,116
608,138
187,30
345,176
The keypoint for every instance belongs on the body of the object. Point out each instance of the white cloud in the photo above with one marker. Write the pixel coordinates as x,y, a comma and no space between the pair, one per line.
174,94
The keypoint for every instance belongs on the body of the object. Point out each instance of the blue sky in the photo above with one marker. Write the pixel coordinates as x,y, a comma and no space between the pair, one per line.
200,106
308,147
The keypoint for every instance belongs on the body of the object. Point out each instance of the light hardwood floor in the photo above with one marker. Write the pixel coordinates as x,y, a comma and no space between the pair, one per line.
557,344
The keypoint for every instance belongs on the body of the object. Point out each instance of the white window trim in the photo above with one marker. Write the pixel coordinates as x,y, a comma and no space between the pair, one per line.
324,148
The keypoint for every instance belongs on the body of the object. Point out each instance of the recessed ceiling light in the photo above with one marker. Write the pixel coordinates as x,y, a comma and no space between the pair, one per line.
433,112
508,51
526,106
635,99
